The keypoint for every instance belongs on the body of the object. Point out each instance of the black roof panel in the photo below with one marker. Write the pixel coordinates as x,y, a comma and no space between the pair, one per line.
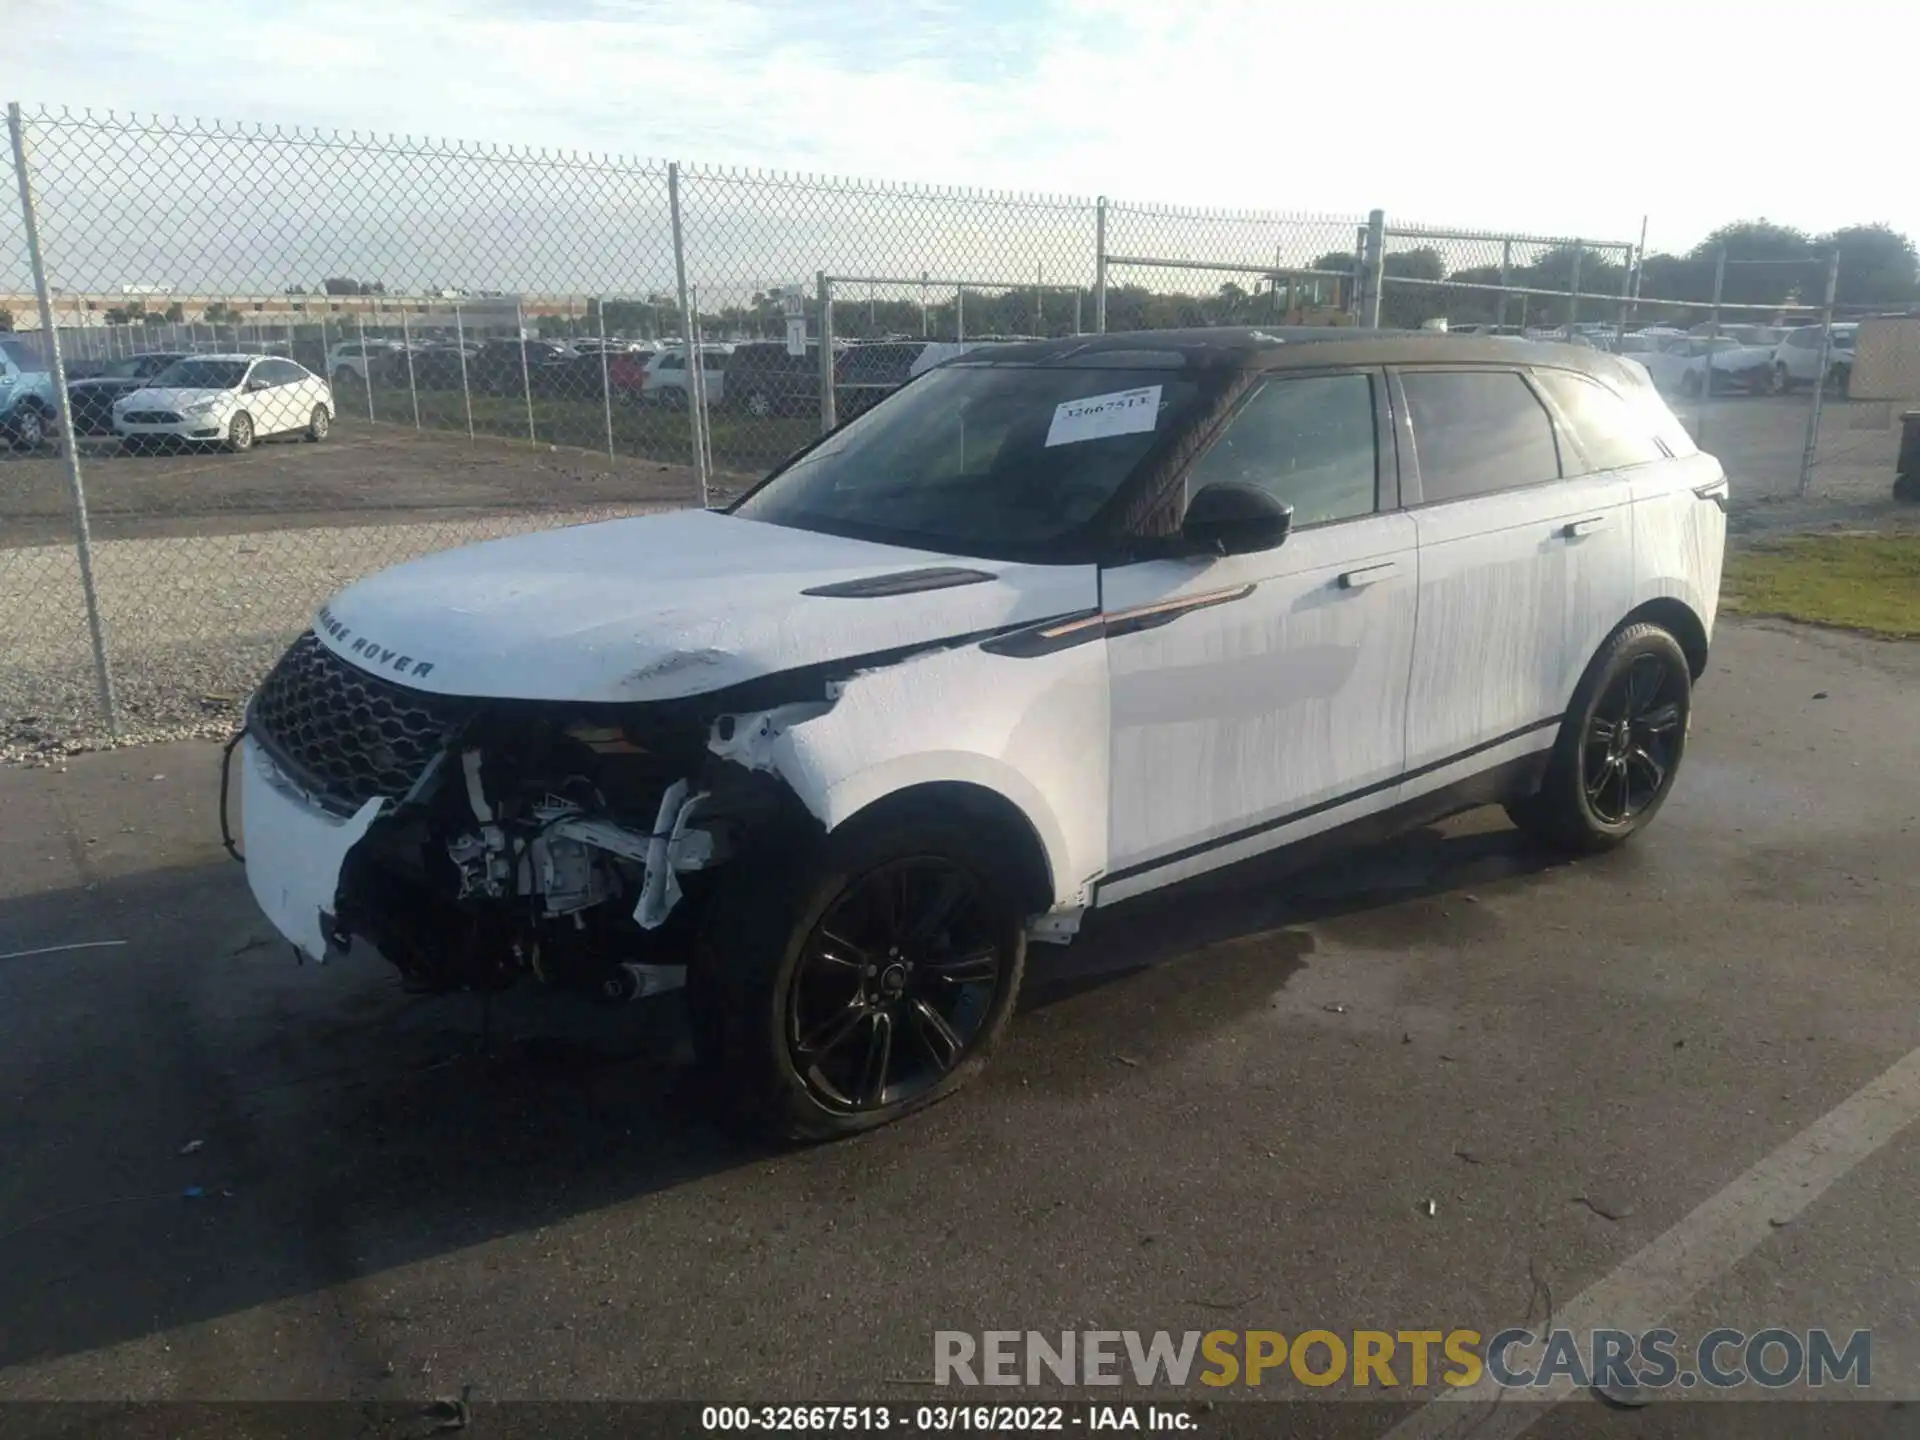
1266,347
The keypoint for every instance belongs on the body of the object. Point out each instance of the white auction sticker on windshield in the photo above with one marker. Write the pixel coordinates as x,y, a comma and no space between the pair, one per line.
1124,412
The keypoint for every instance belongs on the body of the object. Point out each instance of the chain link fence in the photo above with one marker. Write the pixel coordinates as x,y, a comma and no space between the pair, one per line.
435,343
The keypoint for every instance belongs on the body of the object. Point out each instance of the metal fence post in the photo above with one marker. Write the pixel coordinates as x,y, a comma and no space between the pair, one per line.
1376,259
960,314
1100,266
366,361
696,415
1506,277
606,379
824,298
1627,279
697,373
1713,334
1820,375
1573,290
406,343
526,371
76,489
466,392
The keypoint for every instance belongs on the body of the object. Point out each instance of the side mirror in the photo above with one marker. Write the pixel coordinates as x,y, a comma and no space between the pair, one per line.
258,384
1233,519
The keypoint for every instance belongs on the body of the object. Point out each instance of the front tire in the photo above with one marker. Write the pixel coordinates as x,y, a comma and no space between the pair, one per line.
1620,745
29,429
838,992
240,433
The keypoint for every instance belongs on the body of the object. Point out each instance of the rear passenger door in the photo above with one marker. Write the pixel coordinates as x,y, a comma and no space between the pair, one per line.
1526,562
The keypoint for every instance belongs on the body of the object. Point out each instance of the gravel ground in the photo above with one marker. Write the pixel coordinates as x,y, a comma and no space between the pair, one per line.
208,564
193,622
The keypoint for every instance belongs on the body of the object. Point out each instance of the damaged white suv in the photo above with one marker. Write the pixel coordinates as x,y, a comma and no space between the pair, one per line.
1054,625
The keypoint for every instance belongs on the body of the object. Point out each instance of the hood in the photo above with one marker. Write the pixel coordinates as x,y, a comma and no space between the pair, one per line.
670,605
173,399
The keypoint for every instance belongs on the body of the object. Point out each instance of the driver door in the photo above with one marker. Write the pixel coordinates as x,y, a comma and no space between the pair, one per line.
1258,699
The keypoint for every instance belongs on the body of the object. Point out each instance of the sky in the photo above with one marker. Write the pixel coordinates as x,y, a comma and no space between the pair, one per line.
1543,117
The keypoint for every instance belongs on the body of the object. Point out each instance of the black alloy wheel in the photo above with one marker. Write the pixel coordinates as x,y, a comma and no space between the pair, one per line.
1631,746
895,985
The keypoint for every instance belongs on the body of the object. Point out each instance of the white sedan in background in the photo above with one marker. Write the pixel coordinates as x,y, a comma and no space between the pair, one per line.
1682,366
230,400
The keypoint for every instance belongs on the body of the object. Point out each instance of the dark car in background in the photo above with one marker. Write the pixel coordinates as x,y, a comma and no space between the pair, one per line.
506,367
764,379
91,399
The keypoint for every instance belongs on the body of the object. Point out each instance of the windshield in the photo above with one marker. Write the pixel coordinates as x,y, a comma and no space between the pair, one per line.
201,375
981,460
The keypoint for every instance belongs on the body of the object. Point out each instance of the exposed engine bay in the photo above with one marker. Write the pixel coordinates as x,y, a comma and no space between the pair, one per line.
567,844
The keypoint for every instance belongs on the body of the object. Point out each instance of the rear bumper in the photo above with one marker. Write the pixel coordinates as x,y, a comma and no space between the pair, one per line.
294,850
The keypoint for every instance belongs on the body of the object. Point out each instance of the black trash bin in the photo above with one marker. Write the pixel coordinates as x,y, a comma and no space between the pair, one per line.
1906,472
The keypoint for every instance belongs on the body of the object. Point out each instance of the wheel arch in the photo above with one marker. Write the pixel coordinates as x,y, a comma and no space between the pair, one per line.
977,804
1681,621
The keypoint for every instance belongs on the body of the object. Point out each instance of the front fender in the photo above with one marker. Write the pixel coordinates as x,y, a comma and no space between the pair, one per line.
1031,729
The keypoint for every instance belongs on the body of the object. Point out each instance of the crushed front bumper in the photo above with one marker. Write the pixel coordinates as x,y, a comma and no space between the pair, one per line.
294,850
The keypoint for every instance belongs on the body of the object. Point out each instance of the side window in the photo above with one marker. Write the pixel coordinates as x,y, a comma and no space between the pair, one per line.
1610,432
672,362
1308,441
1477,432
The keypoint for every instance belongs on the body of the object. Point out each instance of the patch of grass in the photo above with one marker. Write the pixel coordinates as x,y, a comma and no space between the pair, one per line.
740,443
1859,582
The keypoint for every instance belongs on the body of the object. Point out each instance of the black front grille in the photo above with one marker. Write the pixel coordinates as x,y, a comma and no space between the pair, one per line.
344,734
151,417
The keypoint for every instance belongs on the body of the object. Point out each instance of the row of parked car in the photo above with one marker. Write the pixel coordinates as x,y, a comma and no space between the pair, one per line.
1750,359
762,379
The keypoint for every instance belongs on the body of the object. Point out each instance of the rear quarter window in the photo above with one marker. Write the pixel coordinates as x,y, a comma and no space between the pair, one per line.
1478,432
1608,433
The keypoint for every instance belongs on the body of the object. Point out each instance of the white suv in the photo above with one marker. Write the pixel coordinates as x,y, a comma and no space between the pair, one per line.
1796,359
1051,626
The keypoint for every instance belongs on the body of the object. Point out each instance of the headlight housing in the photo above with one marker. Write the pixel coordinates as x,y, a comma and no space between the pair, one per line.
202,407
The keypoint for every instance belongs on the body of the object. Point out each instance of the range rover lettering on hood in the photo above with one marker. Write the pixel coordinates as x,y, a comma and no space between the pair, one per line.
371,652
658,607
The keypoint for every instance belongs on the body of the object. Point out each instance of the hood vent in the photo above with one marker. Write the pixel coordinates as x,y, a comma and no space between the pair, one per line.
901,582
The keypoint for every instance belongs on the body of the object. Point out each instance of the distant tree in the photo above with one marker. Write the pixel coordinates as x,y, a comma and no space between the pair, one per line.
1767,264
175,314
1877,265
220,313
347,285
6,320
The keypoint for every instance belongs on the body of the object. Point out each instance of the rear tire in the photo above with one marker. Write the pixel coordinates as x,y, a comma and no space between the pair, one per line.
841,990
1620,745
319,424
759,404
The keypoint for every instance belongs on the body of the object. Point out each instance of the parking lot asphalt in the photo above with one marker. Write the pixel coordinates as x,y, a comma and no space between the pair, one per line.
362,475
1442,1083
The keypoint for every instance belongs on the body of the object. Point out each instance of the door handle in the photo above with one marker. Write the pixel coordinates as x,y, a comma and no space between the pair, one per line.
1367,575
1574,529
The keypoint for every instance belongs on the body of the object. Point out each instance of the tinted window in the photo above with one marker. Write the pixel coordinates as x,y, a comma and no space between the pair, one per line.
1001,461
202,375
1309,442
1478,431
279,372
1610,432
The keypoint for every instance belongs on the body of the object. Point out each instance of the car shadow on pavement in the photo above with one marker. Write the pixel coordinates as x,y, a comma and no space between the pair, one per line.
199,1126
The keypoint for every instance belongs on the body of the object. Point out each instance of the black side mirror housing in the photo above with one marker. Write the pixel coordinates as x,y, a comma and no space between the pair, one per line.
1233,519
